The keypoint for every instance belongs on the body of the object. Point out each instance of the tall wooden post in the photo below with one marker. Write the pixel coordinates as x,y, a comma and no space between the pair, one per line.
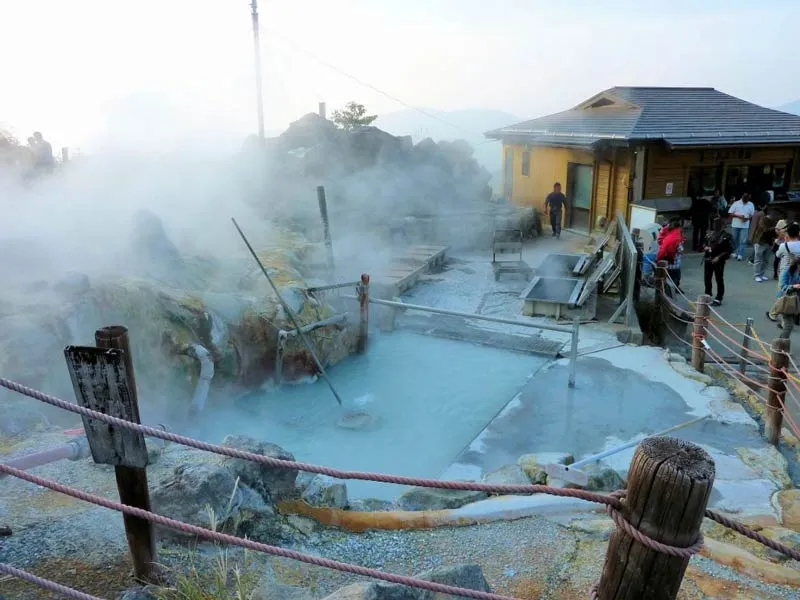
132,481
779,362
743,355
699,331
363,322
323,212
669,484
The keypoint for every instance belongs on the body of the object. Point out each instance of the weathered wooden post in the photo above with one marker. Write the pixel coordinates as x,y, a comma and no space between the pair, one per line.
323,211
699,331
103,380
669,484
363,322
637,287
743,354
778,363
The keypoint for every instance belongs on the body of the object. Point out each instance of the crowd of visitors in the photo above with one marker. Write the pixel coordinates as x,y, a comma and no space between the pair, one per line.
722,232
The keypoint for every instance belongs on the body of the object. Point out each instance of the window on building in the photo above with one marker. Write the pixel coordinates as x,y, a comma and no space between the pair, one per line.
526,164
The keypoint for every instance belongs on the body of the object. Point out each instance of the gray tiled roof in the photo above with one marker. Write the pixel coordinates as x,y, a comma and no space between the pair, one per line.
679,116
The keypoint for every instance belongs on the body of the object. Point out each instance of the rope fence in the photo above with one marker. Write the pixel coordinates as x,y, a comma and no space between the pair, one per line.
613,502
715,333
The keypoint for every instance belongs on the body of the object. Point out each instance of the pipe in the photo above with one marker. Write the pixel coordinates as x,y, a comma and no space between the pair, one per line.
465,315
74,449
206,375
283,333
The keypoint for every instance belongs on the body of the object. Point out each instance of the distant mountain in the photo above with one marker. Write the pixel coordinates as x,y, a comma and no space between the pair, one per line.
792,107
450,125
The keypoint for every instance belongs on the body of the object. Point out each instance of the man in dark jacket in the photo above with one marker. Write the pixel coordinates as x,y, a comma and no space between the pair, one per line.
701,211
718,249
555,204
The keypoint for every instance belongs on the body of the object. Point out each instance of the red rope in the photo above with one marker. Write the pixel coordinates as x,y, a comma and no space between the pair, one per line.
46,583
290,464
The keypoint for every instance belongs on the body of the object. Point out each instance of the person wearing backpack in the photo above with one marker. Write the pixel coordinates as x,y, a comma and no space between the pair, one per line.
717,250
788,250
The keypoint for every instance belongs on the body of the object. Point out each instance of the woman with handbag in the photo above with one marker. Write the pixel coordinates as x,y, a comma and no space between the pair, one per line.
787,306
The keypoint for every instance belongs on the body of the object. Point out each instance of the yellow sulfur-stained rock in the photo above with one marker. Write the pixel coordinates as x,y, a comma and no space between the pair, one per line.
749,564
769,462
787,503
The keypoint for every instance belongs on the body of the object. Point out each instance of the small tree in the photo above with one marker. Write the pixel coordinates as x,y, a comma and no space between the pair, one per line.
353,116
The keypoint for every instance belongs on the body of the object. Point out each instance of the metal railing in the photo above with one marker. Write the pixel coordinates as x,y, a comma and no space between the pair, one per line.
573,331
626,258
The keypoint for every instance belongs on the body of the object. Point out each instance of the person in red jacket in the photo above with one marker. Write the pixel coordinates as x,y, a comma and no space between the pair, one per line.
671,250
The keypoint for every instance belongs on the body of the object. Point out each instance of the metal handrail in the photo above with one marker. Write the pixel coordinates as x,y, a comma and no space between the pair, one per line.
628,247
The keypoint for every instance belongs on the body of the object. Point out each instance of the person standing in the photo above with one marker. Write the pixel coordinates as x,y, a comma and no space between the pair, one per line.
701,213
719,206
717,250
780,237
763,236
671,250
555,204
742,212
788,250
786,309
751,243
43,152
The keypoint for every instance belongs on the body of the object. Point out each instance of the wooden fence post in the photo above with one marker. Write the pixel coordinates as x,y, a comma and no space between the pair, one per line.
363,322
323,212
779,361
103,380
743,354
669,484
699,331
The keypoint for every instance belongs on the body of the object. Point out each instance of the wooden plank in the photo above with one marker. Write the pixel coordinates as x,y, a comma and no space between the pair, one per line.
100,380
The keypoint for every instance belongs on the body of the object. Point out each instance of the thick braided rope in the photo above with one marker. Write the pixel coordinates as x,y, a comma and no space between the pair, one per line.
290,464
753,535
249,544
645,540
46,583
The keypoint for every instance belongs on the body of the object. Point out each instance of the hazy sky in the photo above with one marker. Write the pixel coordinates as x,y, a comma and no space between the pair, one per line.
149,70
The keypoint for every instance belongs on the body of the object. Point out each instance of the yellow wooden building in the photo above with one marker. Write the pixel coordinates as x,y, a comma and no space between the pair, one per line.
629,144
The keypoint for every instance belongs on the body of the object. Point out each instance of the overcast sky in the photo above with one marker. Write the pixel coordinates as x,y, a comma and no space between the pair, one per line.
84,70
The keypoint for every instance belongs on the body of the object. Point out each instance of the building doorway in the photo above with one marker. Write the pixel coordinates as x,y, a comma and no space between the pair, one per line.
579,195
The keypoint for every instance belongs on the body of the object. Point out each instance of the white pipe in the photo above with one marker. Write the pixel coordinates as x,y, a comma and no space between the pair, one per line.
206,375
284,333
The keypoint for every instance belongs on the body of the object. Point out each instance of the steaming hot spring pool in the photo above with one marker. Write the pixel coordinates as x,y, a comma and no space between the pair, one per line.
430,397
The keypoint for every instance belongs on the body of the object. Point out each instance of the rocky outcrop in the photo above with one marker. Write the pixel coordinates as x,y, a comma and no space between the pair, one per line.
326,491
533,464
602,478
434,499
464,576
507,475
273,484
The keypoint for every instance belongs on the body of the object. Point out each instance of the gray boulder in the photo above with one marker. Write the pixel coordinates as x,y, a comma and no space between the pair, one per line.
273,484
143,593
208,495
419,498
303,480
602,478
371,505
326,491
507,475
464,576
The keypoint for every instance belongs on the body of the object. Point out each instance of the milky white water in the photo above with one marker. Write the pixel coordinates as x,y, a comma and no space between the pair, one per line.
430,397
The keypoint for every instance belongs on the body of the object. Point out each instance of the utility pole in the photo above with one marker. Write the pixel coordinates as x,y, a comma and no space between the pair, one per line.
257,56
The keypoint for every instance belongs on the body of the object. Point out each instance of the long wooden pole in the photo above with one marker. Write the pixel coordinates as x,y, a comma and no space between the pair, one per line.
132,481
669,484
363,321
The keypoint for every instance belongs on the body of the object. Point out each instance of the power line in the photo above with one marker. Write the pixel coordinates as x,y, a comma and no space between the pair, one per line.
363,83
